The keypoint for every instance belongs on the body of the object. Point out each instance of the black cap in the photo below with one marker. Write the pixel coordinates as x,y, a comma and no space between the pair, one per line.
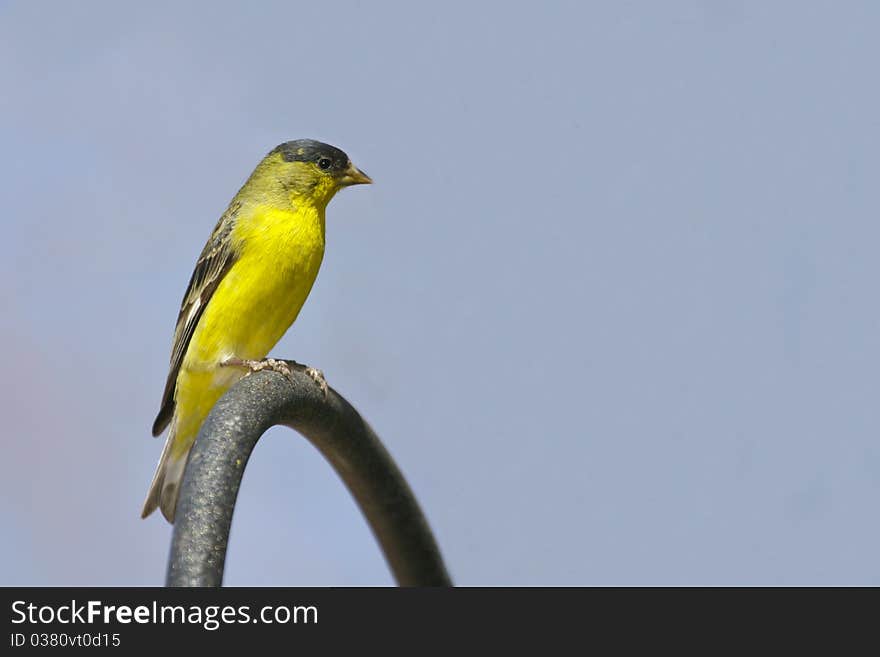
309,150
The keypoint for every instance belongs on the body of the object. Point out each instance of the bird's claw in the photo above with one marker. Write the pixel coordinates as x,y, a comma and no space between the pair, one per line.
271,364
280,366
318,377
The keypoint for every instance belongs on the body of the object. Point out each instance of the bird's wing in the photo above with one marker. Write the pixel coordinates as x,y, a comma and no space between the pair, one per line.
216,259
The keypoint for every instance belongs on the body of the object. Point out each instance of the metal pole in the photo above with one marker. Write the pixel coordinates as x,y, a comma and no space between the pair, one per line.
225,441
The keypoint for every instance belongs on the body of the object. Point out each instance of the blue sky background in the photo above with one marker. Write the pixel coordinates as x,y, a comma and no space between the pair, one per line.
611,303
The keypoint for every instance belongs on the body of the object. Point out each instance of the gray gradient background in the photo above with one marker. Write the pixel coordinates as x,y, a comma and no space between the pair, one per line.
611,302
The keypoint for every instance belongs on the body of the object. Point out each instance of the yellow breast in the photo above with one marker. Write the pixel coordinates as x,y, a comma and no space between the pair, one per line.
280,252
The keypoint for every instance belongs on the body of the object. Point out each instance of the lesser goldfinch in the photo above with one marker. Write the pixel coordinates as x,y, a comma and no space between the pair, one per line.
249,284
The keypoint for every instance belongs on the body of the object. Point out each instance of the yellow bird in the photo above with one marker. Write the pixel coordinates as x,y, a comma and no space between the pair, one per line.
249,284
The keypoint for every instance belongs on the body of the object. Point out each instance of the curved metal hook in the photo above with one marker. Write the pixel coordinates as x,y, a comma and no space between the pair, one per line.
226,439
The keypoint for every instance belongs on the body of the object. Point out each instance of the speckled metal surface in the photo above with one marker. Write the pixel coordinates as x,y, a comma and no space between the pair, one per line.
336,429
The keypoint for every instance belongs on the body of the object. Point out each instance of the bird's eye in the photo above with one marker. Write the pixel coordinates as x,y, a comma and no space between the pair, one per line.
324,163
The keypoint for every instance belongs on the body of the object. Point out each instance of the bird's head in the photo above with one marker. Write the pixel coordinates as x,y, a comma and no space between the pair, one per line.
310,171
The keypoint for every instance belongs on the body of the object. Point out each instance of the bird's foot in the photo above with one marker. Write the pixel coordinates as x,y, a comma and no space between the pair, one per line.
283,367
270,364
318,377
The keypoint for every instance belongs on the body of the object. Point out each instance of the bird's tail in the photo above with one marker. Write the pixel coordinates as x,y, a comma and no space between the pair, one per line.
165,487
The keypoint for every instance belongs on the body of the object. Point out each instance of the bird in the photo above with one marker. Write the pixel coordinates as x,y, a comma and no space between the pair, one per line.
248,286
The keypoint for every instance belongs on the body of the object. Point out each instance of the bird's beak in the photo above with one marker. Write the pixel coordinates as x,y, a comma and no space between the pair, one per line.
354,176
